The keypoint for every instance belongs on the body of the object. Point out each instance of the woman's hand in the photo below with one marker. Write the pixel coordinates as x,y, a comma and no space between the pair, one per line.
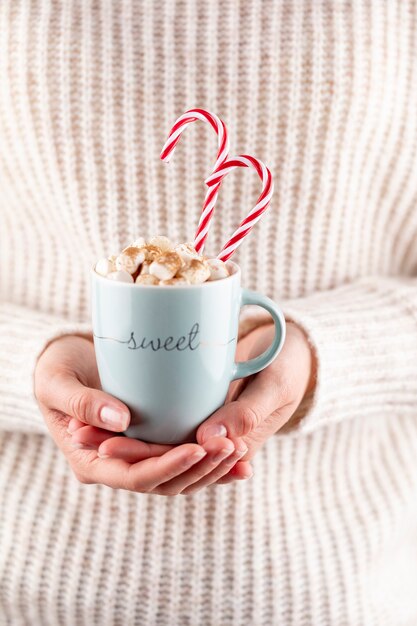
256,407
67,388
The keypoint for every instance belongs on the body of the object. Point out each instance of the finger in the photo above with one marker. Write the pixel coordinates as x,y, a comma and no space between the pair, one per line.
87,405
221,470
149,474
130,450
90,436
217,450
141,477
241,471
74,425
258,400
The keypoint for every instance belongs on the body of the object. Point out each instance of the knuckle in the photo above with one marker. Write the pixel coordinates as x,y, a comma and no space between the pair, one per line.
249,418
78,404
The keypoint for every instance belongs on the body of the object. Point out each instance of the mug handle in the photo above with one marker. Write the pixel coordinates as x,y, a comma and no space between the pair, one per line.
246,368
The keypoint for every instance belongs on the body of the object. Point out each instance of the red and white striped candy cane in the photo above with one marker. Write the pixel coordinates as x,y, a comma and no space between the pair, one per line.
210,200
215,180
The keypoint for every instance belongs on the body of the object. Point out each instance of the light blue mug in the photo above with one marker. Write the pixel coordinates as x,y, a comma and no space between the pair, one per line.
168,352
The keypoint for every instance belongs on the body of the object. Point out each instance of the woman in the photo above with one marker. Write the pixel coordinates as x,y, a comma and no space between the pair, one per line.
324,532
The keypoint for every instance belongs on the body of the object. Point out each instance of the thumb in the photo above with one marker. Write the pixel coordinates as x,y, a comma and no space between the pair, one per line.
234,419
263,394
91,406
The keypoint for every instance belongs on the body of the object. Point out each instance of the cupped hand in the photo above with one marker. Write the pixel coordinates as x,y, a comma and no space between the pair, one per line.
67,388
259,406
255,408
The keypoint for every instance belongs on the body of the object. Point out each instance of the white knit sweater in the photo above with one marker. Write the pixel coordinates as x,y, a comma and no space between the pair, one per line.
325,533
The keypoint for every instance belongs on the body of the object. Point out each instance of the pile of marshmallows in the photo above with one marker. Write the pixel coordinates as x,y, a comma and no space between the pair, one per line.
160,262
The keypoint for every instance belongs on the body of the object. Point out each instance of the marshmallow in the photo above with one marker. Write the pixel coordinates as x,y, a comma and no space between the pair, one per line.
151,252
186,251
146,279
144,268
162,242
165,266
129,259
160,261
174,281
140,242
196,272
218,269
121,276
105,266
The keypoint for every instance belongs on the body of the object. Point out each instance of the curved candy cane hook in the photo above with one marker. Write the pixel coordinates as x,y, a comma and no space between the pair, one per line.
215,180
223,150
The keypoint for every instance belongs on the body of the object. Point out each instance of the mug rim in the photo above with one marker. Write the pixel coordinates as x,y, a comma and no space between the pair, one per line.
207,283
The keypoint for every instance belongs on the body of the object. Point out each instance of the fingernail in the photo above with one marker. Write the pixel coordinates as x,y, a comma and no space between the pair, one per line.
103,456
241,452
247,477
194,458
222,455
215,430
82,446
113,417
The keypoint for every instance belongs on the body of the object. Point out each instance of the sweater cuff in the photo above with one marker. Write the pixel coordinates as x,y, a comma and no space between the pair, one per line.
24,335
364,337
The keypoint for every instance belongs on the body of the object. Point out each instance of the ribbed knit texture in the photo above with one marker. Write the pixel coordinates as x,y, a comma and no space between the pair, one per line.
325,93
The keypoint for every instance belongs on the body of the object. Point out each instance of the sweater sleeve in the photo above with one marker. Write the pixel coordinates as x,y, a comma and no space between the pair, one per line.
364,336
24,334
